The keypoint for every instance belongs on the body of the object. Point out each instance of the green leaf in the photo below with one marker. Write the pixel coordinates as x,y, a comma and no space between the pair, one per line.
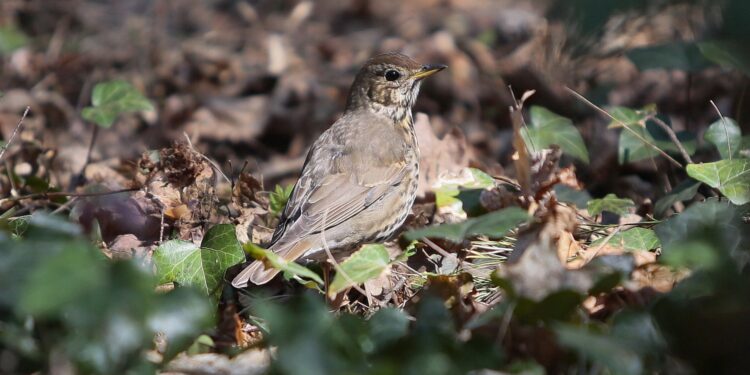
680,193
549,128
680,56
202,267
567,194
494,225
388,325
725,134
365,264
625,116
691,254
110,99
731,177
464,190
727,53
289,268
634,239
11,39
631,148
600,348
47,293
278,198
712,220
611,203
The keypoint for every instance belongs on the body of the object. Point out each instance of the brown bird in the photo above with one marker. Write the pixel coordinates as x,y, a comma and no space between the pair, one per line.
360,177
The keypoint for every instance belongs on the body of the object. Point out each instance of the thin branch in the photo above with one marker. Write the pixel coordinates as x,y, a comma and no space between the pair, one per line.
79,178
606,240
644,140
15,131
673,137
724,125
55,194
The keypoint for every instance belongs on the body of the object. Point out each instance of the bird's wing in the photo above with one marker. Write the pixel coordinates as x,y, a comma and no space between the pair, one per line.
336,199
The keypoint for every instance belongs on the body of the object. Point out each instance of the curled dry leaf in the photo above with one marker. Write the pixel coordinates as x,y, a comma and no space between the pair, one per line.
182,182
534,266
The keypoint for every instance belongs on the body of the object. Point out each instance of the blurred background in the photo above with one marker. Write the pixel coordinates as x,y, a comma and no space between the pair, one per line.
257,81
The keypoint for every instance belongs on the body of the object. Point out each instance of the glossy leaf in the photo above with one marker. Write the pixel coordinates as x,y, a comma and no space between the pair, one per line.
634,239
631,148
611,203
684,191
110,99
627,117
494,225
727,53
200,266
731,177
676,55
600,348
725,134
717,221
365,264
547,128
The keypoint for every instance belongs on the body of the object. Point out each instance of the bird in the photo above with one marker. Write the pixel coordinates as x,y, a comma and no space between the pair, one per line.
359,179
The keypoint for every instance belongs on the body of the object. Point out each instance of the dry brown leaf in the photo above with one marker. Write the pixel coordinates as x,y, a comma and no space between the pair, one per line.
438,156
230,120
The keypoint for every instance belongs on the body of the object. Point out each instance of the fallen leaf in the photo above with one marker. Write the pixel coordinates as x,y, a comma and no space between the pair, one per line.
450,154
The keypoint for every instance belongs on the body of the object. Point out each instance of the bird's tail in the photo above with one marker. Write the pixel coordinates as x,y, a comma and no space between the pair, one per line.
257,273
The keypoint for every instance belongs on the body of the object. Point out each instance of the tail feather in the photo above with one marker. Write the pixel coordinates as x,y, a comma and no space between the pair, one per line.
257,273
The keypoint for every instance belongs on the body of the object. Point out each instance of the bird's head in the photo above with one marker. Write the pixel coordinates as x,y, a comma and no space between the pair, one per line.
388,84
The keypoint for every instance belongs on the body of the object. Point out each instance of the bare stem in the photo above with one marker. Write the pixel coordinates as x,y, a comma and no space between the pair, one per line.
724,125
55,194
644,140
15,131
673,137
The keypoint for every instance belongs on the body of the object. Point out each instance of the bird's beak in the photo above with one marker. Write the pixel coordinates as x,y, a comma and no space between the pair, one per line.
428,70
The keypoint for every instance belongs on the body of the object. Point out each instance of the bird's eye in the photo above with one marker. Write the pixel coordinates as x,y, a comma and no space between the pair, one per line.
392,75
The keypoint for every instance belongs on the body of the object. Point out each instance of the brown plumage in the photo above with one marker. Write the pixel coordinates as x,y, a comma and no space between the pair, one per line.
360,177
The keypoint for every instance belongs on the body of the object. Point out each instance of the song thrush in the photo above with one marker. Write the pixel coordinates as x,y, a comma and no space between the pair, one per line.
360,177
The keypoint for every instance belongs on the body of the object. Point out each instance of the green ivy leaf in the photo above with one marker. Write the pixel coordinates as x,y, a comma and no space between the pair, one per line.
625,116
200,266
365,264
288,268
567,194
680,56
110,99
278,198
494,225
632,149
11,39
725,134
464,191
680,193
600,348
731,177
47,293
611,203
727,53
717,221
549,128
634,239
